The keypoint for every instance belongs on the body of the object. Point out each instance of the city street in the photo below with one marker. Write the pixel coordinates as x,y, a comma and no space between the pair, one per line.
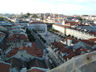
38,42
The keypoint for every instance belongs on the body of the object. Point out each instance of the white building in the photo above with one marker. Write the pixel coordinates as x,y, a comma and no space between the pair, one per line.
73,32
89,17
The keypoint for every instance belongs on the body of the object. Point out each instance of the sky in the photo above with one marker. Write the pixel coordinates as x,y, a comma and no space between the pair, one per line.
67,7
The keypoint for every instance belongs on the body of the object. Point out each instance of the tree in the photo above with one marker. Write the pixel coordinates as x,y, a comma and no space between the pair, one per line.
28,31
25,15
79,18
34,16
28,14
3,19
30,36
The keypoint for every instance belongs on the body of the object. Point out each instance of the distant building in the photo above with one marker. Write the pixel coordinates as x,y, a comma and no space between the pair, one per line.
38,26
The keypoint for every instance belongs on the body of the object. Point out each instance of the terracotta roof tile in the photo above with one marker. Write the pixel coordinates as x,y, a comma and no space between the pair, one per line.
35,70
69,51
60,46
18,37
74,53
61,26
71,55
92,39
34,50
89,42
37,23
12,52
72,22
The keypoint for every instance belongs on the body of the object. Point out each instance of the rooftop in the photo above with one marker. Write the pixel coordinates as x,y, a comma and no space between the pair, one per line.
4,67
12,52
33,50
2,34
36,63
68,52
60,46
17,37
35,70
37,23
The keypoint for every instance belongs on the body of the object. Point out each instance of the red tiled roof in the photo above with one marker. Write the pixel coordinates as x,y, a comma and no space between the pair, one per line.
69,51
35,70
34,51
12,52
57,21
18,36
4,67
72,22
61,26
92,39
83,49
60,46
79,50
89,42
36,23
68,24
72,54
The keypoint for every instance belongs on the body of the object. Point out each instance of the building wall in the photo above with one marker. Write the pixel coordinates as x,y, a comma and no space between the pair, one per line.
38,27
23,55
62,30
78,34
72,32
